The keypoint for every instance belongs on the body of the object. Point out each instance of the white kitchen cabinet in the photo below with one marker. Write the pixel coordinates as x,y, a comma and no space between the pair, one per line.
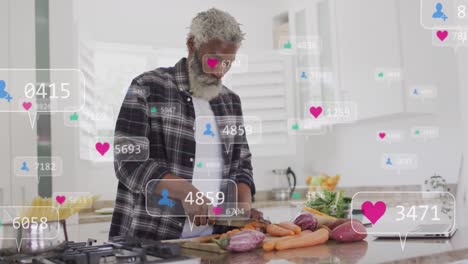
358,39
368,42
420,61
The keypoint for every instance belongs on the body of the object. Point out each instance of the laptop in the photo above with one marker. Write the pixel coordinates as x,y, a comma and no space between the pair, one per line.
442,230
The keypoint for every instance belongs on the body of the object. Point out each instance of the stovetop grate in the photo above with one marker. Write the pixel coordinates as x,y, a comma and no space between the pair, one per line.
117,250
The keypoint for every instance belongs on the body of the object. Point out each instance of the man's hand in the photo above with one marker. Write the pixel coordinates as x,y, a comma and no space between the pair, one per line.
199,210
252,213
179,191
244,198
256,215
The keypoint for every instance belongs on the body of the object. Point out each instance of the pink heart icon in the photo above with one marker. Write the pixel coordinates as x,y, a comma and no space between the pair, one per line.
60,199
27,105
212,62
382,135
442,34
373,212
102,148
217,210
315,111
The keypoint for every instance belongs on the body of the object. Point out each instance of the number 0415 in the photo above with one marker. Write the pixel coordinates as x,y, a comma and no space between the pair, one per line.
55,91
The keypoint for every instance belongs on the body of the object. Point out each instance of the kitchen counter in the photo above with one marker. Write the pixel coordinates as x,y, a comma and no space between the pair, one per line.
372,250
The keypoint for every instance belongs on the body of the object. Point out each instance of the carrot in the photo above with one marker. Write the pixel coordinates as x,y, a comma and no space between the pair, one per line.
326,227
290,226
275,230
230,233
316,213
310,239
249,226
274,241
269,246
258,224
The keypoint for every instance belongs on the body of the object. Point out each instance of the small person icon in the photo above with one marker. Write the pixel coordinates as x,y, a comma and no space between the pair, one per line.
165,200
389,162
415,92
208,131
3,93
303,75
439,13
24,166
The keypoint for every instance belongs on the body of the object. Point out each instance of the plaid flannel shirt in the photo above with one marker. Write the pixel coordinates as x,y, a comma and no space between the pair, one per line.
171,148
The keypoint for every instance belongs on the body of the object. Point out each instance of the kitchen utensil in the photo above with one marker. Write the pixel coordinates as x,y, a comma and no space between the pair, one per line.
236,222
202,239
34,239
285,182
436,183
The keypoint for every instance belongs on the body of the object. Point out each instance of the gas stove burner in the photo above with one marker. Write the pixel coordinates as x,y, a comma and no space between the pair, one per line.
118,250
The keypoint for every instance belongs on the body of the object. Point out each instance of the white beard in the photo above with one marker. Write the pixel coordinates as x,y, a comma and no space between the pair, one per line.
201,84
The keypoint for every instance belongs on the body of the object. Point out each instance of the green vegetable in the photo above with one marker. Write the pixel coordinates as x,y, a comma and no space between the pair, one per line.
330,203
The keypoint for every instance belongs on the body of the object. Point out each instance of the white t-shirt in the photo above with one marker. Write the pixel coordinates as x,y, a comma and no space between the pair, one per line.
208,152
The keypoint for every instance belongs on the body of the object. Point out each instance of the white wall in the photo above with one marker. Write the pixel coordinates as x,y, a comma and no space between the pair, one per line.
5,119
63,54
353,150
21,139
462,196
165,23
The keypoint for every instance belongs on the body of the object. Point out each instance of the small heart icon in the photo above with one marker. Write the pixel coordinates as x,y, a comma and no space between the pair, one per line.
102,148
382,135
217,210
212,62
60,199
373,212
442,34
315,111
27,105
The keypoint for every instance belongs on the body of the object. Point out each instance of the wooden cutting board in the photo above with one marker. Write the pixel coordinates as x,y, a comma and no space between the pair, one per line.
207,246
210,247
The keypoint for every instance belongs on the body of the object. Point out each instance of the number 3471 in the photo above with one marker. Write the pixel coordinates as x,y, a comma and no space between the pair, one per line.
417,212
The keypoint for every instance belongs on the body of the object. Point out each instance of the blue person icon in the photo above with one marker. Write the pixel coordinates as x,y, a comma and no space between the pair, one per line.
303,75
3,93
165,199
24,166
208,131
438,12
415,92
389,161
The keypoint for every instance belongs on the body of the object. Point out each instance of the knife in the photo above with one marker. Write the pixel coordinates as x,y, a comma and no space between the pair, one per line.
236,221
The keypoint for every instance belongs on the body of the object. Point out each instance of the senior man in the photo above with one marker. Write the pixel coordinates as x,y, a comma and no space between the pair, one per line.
192,88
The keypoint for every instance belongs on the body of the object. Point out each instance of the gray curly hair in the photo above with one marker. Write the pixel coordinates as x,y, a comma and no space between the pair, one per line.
215,24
